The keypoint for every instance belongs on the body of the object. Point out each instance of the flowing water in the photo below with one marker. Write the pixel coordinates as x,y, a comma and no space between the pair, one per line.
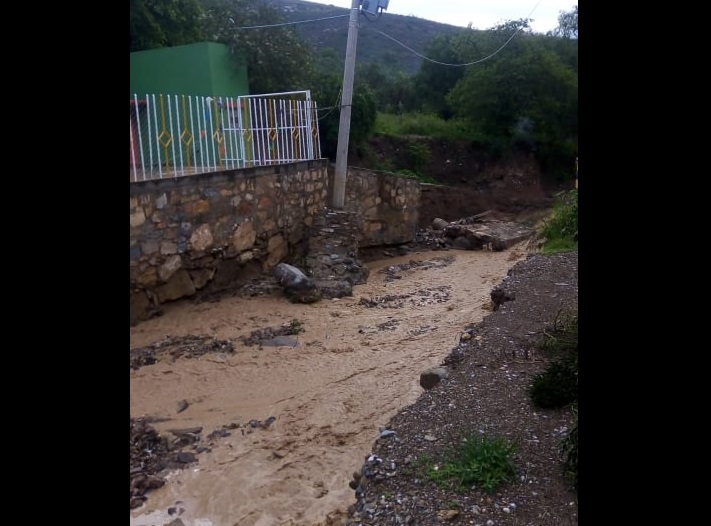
355,364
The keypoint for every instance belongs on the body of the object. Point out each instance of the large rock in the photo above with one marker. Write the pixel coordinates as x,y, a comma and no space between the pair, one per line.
298,287
494,235
432,377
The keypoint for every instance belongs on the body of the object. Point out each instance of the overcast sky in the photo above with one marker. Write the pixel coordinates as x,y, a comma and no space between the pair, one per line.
483,14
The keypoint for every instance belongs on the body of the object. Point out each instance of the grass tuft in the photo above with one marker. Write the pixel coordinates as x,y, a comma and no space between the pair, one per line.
478,461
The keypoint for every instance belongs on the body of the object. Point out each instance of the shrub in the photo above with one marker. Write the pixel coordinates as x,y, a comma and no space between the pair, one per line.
557,385
295,326
561,232
420,154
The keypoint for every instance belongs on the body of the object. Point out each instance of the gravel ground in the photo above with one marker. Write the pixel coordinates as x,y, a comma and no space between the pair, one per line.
485,394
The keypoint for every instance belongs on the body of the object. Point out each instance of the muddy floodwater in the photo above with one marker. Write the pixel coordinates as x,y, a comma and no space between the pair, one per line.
326,394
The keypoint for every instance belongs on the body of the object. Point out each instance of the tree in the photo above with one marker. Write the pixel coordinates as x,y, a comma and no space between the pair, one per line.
277,59
525,96
393,90
567,24
327,89
163,23
435,79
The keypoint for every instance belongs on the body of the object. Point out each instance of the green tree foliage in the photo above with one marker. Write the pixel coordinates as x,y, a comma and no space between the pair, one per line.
277,58
434,79
328,61
327,90
526,95
163,23
392,90
566,44
567,24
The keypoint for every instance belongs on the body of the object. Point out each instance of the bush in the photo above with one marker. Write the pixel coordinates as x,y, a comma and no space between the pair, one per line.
557,385
561,232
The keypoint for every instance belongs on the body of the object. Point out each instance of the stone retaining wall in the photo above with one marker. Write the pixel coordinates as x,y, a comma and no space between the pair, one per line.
212,230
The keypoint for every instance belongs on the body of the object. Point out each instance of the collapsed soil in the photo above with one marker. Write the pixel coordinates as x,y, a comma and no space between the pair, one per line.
254,411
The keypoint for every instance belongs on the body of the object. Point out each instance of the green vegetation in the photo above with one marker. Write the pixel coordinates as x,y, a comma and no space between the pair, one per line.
296,326
420,154
561,231
163,23
569,449
557,385
478,461
422,124
363,114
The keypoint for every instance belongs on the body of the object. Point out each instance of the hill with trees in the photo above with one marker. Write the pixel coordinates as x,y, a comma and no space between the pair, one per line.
504,90
373,46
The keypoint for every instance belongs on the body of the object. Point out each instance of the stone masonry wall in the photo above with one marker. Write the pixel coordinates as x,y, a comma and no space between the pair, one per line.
211,230
387,204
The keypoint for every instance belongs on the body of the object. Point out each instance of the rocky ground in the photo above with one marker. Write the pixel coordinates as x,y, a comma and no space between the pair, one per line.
485,394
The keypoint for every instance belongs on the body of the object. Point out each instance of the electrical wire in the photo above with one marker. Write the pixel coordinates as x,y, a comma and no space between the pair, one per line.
423,57
446,63
374,19
458,65
293,23
335,105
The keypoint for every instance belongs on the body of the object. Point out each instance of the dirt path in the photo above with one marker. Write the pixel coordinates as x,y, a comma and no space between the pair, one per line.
356,363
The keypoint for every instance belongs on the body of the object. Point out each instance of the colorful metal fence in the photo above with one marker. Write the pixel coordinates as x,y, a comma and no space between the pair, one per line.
177,135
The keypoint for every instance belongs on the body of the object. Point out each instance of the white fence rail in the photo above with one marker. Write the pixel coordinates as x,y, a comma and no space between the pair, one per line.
177,135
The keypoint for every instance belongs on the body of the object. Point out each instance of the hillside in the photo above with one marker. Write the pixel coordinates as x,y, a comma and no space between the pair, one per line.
373,47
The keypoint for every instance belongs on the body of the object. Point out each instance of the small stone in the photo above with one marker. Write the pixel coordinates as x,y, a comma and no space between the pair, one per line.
448,515
185,457
430,438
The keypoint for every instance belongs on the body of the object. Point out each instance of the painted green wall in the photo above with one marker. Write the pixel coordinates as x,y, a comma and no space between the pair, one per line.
202,69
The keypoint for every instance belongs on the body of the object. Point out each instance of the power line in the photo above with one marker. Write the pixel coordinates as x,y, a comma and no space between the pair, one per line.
335,105
293,23
459,65
394,39
445,63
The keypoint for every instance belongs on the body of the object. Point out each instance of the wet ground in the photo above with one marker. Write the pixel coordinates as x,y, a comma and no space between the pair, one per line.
288,398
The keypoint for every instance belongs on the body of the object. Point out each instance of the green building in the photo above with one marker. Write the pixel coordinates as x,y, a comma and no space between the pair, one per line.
182,106
202,69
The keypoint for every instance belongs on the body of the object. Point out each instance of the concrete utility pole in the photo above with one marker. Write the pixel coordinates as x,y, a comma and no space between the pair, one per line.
344,126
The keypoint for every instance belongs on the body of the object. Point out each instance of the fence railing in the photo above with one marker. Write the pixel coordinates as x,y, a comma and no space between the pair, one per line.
177,135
